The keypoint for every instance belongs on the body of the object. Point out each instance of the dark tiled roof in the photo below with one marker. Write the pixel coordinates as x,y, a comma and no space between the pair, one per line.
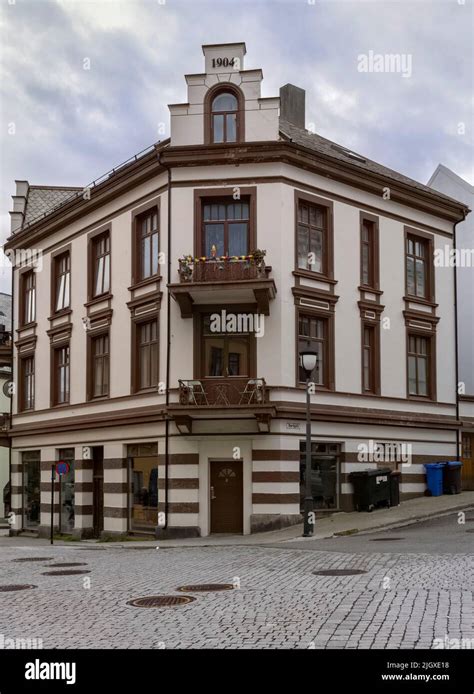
43,199
331,149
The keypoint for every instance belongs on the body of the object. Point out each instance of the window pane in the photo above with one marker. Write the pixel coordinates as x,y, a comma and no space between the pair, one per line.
420,278
218,128
231,125
155,257
67,297
303,247
410,276
365,264
238,356
238,239
224,102
106,286
316,249
214,356
422,376
214,235
99,277
146,257
412,375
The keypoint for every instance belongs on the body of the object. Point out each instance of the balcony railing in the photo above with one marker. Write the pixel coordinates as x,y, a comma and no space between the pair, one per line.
223,392
223,269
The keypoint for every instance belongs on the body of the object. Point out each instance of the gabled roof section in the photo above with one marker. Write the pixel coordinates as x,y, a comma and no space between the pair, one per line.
42,200
321,145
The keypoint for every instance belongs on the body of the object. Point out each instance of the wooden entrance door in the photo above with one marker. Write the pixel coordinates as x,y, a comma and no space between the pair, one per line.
468,462
98,490
227,513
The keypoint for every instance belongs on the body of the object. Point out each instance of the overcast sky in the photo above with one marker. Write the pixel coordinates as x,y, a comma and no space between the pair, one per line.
73,124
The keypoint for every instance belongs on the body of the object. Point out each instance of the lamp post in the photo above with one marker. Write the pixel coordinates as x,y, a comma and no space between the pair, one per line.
308,361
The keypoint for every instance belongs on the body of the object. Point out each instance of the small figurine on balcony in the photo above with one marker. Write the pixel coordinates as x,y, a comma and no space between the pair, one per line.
185,268
258,258
213,251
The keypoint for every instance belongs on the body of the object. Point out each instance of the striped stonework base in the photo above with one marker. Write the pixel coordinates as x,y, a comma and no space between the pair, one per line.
275,489
183,496
115,497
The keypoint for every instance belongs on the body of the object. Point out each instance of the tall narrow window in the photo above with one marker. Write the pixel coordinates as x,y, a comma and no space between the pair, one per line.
147,244
62,281
368,359
101,264
313,335
224,354
225,228
418,267
419,365
27,385
312,237
28,297
61,367
224,122
147,353
368,251
99,366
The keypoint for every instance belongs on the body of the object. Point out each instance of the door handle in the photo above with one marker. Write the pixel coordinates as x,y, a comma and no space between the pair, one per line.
213,496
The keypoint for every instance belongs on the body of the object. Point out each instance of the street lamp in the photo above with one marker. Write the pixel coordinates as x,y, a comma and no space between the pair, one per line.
308,361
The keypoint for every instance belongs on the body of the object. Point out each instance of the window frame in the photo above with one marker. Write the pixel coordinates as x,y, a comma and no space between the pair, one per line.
374,251
22,399
375,366
56,257
55,348
137,324
428,241
91,339
327,272
137,214
203,196
24,276
212,93
329,365
92,241
430,338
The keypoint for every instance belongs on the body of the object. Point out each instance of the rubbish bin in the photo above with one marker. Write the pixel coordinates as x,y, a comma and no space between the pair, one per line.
371,488
434,478
452,477
395,476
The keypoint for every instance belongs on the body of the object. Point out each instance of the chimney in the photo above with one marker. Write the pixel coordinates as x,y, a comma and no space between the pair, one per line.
292,105
17,216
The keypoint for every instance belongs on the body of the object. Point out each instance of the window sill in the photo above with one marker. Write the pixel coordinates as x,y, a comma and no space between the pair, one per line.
60,314
309,274
146,282
98,398
420,300
26,326
370,290
421,398
319,389
99,299
59,405
146,391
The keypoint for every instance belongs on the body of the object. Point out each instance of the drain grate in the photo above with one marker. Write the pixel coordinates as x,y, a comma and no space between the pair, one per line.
205,587
66,564
72,572
161,601
386,539
34,559
340,572
8,588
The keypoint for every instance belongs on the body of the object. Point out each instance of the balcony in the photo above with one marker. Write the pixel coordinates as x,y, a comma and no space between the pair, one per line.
221,280
236,398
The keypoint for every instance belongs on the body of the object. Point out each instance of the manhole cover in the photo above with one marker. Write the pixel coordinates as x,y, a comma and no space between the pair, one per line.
66,564
7,589
161,601
72,572
206,587
386,539
34,559
340,572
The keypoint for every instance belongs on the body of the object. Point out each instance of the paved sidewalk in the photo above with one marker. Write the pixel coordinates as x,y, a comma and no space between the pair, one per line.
408,512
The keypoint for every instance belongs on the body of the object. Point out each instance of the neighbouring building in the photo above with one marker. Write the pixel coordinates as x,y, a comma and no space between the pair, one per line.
5,399
449,183
161,311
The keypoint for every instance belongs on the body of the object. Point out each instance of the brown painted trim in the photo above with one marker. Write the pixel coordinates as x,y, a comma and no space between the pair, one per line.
279,476
91,337
275,498
412,331
180,459
115,464
83,487
180,507
138,320
92,236
329,344
55,257
328,245
277,454
428,240
375,367
116,487
83,465
23,274
83,510
137,213
179,483
240,119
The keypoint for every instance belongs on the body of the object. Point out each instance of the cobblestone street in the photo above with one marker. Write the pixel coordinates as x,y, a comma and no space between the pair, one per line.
404,600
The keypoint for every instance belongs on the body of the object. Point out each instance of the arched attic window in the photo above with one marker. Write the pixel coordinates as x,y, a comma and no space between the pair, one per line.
224,116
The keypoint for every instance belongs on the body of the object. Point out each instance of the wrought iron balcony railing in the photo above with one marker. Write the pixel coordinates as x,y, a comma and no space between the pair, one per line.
223,269
223,392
